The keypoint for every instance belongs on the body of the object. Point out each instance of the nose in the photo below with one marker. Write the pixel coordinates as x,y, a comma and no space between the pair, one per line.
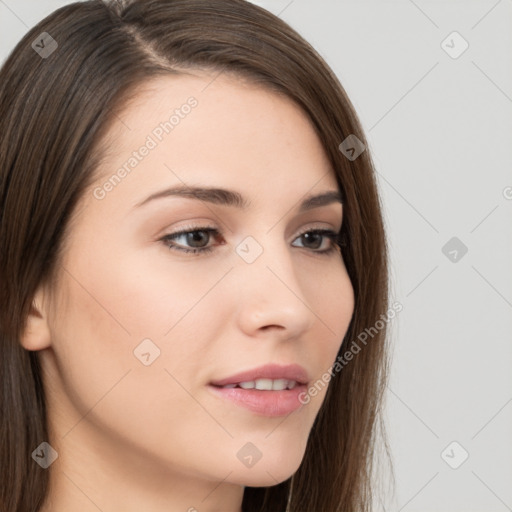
270,299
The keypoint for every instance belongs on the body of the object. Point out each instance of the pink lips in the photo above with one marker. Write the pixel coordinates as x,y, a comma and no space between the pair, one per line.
263,402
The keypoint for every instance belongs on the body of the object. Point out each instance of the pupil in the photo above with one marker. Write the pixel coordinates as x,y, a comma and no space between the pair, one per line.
313,236
196,237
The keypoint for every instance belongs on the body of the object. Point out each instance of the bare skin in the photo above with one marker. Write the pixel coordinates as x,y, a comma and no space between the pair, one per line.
153,437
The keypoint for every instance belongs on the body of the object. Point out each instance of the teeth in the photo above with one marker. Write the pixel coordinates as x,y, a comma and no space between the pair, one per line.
279,384
266,384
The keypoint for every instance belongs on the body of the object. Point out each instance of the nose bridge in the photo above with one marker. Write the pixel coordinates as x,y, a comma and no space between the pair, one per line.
271,293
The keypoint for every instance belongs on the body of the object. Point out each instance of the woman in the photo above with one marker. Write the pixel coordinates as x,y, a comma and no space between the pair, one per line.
191,242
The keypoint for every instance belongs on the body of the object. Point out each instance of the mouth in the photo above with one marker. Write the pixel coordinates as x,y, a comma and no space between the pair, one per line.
263,397
270,390
264,384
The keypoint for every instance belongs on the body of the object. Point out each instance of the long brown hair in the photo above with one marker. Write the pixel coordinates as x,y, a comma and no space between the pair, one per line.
54,110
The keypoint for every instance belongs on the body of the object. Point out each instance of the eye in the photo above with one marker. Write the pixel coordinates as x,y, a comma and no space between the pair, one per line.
191,240
321,241
196,240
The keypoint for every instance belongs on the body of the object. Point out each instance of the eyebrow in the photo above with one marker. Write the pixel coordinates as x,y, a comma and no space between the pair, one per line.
226,197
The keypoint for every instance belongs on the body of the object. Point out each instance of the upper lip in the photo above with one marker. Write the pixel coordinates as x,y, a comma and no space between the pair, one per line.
269,371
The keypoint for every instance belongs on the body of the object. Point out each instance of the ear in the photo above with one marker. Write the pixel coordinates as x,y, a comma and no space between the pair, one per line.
36,334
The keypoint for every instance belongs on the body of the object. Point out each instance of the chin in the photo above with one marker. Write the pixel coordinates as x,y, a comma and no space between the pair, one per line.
265,480
267,474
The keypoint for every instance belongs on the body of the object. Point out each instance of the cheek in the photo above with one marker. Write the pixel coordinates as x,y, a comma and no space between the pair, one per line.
104,317
140,293
331,297
117,313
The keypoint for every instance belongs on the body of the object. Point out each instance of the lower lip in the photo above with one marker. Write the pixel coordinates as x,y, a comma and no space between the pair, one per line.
266,403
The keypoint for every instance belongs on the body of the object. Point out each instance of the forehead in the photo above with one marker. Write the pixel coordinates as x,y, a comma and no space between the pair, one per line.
212,128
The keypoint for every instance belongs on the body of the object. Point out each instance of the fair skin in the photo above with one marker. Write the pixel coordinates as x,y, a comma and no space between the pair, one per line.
133,437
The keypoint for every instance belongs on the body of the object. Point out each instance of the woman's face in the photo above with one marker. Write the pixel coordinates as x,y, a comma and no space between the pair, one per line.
141,327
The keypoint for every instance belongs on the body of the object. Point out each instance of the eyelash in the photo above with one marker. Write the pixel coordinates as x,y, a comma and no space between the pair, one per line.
335,238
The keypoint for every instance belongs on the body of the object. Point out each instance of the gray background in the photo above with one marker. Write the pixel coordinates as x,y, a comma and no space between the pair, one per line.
440,132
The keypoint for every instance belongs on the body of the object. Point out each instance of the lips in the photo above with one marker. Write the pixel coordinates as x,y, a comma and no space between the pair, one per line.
274,372
270,390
